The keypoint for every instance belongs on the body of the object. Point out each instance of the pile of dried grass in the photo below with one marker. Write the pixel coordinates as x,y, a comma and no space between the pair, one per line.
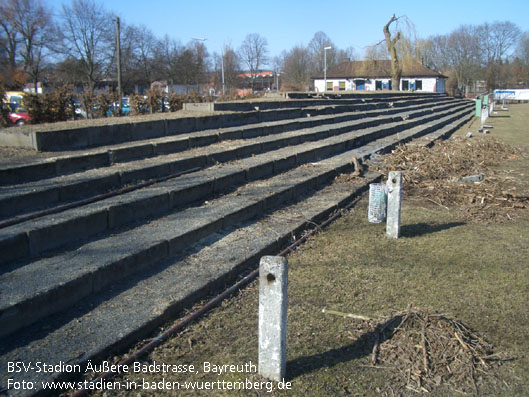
434,173
428,350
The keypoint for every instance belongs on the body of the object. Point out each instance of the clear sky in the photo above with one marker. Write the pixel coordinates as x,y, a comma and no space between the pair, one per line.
287,23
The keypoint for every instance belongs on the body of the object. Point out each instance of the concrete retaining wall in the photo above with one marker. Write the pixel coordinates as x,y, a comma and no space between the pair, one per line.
79,138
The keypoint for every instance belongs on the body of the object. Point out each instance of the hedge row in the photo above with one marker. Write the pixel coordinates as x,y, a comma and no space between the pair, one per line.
60,104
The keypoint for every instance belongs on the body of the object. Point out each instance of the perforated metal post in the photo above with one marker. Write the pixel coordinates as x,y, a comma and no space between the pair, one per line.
273,301
394,203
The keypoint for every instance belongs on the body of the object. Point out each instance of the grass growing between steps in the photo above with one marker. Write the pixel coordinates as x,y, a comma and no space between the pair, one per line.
474,272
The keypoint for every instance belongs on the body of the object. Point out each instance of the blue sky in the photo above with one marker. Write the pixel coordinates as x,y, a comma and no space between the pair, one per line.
288,23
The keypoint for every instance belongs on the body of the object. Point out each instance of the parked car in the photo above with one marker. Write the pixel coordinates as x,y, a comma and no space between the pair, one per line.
17,114
14,97
78,110
125,108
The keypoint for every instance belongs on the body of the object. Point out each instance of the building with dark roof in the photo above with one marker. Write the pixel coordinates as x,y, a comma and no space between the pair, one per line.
376,75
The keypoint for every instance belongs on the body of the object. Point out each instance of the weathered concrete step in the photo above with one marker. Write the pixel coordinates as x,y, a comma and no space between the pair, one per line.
108,155
307,102
32,196
126,312
32,238
98,327
52,284
364,94
125,130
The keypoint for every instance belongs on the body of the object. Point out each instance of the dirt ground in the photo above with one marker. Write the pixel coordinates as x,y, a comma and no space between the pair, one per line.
469,270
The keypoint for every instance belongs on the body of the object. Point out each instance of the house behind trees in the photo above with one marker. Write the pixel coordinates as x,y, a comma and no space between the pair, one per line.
374,75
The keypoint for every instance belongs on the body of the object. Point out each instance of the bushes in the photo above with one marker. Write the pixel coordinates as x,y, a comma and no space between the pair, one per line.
175,101
137,104
50,107
60,104
3,109
154,100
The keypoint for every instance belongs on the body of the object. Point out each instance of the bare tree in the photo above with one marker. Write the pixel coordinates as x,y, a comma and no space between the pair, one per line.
497,39
229,60
9,40
200,60
316,46
89,36
522,50
165,59
254,53
138,45
464,55
37,30
376,52
391,43
296,69
348,54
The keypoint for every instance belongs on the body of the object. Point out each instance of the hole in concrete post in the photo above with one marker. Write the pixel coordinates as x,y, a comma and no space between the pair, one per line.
393,181
270,278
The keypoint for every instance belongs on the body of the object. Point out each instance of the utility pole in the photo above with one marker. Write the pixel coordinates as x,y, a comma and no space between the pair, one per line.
118,50
222,66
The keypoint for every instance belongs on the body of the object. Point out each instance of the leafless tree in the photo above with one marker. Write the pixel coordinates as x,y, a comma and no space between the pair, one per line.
89,37
464,55
316,46
522,50
232,68
253,54
165,59
391,43
37,30
200,60
25,36
296,69
9,39
376,52
347,54
138,45
497,39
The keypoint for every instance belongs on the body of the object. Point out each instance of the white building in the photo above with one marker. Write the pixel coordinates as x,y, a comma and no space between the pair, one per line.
376,75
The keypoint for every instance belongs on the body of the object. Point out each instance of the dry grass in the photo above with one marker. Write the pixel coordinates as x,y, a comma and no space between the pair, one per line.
474,273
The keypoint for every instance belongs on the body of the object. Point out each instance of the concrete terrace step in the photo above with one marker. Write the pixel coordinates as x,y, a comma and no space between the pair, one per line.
51,284
129,129
21,198
108,155
34,237
99,326
315,101
130,310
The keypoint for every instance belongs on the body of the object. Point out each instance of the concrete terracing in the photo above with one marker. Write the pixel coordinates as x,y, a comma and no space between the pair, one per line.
101,246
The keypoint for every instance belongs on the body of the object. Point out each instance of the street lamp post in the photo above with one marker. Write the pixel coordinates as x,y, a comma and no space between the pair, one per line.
325,66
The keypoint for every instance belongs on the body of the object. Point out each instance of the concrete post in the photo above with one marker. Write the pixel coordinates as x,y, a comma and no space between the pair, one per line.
394,203
478,108
273,301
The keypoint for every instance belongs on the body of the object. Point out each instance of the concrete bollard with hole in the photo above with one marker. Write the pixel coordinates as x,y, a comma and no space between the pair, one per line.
273,301
394,204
